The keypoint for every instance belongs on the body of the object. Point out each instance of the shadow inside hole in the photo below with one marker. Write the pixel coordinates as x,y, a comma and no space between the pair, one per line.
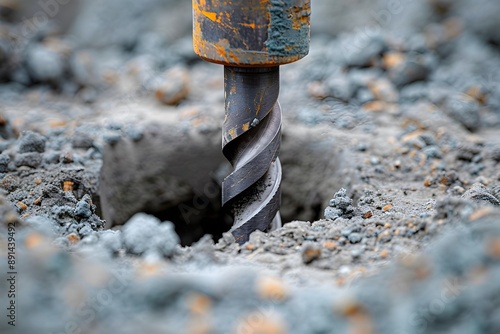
195,218
193,221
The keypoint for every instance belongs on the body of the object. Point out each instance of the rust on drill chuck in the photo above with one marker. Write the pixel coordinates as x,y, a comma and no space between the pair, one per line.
251,142
251,33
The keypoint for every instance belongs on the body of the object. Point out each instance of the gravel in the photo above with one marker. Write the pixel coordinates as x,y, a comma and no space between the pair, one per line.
31,142
31,159
144,234
339,205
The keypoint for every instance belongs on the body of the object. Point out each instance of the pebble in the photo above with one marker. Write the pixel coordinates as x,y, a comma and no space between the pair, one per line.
145,234
428,139
73,238
32,159
367,213
81,64
410,70
413,141
44,64
475,169
357,252
364,96
477,159
52,157
342,241
82,139
332,213
112,138
200,304
317,90
309,238
66,157
4,162
355,238
31,142
478,192
384,253
346,232
111,240
311,116
135,133
361,147
83,208
457,190
401,231
432,151
414,92
385,236
93,153
387,208
465,111
86,231
360,49
340,200
172,86
467,152
329,245
392,59
384,90
228,243
374,161
271,288
340,87
21,206
310,252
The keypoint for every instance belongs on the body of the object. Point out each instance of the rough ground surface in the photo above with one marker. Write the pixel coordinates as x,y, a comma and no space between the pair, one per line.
110,164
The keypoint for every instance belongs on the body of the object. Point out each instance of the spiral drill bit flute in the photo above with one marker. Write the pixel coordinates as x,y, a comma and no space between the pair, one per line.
251,38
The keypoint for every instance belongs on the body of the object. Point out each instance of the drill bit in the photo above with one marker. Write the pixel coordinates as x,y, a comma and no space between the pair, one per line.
251,142
251,38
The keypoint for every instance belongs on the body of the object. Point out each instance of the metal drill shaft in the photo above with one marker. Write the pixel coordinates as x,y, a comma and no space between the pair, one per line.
251,142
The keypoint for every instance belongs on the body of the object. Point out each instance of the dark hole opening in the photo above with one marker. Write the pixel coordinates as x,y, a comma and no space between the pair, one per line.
192,221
